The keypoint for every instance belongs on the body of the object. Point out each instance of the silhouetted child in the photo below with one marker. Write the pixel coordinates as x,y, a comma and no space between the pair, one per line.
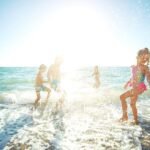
54,74
139,71
54,77
39,84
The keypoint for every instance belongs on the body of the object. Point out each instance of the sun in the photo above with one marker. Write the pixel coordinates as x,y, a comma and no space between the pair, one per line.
78,33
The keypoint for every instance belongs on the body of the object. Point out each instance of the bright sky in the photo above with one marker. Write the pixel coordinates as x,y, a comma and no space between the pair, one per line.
84,32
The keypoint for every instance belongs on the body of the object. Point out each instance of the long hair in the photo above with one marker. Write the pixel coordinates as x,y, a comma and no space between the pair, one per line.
141,52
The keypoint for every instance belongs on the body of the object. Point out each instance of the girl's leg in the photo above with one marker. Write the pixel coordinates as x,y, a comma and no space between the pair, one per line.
134,109
134,98
48,94
124,105
37,99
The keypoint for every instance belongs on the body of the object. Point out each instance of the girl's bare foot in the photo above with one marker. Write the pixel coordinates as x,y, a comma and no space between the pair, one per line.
134,122
123,119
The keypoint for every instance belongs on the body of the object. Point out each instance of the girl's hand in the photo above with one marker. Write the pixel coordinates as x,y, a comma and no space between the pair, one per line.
125,86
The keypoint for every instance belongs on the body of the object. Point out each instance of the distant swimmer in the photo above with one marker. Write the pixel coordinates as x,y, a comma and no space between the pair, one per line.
96,75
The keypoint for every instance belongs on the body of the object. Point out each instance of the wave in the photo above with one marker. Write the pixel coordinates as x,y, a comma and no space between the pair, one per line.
77,96
16,81
18,97
25,97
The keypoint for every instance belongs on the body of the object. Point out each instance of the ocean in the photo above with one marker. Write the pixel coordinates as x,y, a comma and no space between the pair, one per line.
87,120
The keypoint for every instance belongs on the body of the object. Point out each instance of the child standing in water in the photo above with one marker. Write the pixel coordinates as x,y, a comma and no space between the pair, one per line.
39,84
54,78
139,71
96,75
54,74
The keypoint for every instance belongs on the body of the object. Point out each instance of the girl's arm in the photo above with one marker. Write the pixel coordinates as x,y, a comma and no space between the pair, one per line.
43,79
127,84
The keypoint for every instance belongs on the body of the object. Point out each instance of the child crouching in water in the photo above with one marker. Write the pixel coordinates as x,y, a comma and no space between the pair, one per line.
139,71
39,84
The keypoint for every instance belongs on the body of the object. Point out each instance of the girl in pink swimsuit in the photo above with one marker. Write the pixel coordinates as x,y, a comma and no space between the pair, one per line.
139,72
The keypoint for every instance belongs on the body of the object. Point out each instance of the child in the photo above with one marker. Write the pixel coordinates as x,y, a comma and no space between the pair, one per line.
54,74
139,71
54,77
39,84
96,75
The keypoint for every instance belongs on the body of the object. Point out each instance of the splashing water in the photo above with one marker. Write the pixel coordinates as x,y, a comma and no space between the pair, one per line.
87,119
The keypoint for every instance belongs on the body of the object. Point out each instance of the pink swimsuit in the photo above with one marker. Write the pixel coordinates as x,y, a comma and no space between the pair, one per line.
137,80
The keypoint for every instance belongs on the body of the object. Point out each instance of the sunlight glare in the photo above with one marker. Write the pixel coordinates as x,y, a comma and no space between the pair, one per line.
79,33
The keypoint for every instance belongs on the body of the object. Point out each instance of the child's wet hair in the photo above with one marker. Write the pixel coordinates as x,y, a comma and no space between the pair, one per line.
42,66
143,51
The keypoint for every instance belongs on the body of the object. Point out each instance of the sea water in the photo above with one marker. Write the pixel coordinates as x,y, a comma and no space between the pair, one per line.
87,121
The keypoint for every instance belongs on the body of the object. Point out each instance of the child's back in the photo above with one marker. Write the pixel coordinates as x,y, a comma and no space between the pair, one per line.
39,79
39,84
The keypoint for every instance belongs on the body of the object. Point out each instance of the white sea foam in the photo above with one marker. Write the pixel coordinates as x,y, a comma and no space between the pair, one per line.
89,126
86,121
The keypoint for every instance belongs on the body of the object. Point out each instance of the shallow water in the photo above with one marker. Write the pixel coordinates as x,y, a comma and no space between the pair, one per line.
88,119
88,127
